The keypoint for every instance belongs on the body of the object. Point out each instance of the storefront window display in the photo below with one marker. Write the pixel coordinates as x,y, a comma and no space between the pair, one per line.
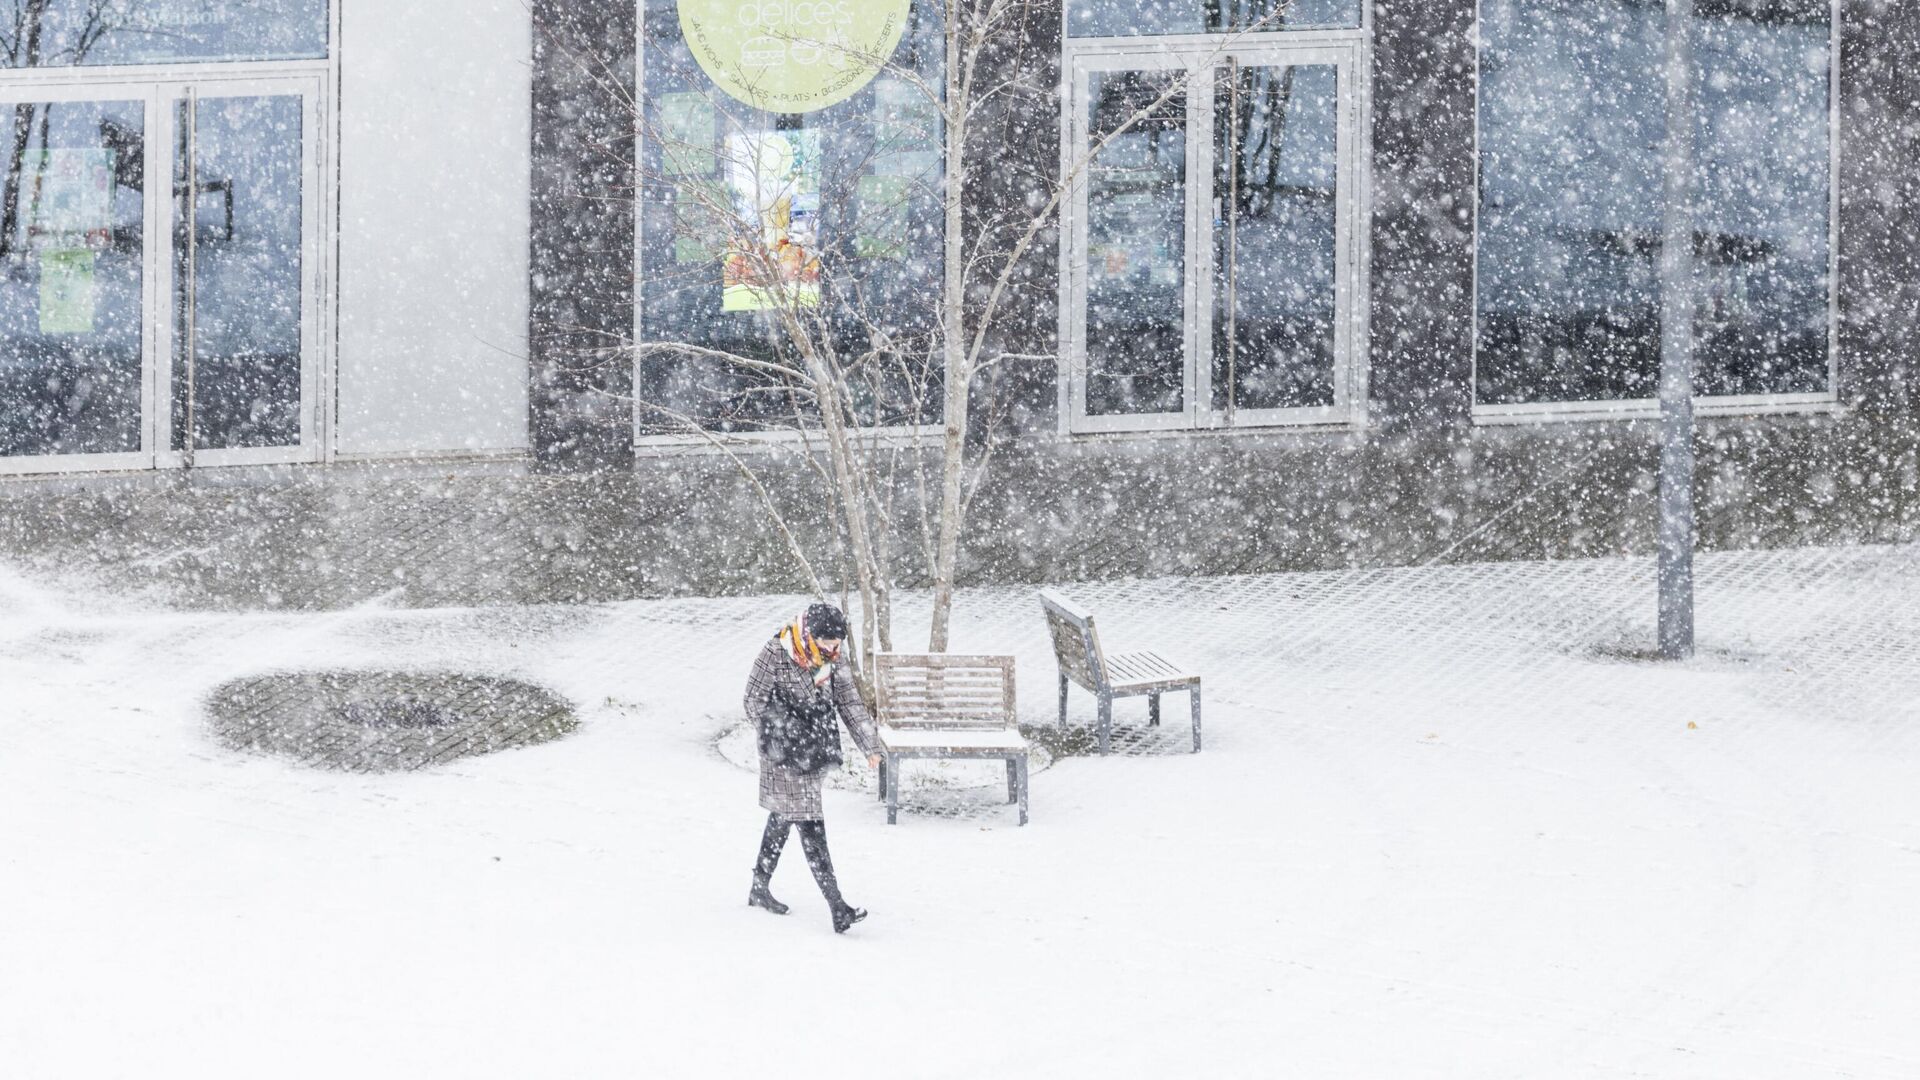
70,33
1572,118
790,171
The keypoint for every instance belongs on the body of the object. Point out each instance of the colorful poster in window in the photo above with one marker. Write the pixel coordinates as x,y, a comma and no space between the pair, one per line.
773,179
686,134
792,56
72,192
66,291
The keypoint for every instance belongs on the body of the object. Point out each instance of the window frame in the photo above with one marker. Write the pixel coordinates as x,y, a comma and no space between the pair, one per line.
1349,50
1543,412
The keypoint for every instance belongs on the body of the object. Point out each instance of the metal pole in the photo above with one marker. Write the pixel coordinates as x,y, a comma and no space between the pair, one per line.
1676,347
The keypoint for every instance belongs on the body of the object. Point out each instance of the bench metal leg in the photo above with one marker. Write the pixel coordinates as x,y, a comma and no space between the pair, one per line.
1153,710
1063,699
883,778
893,793
1020,769
1193,697
1106,720
1013,787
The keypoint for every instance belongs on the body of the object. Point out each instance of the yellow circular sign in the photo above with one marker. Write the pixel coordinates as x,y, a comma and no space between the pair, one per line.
792,56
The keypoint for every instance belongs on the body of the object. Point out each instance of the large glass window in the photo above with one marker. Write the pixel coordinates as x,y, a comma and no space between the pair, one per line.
785,239
1136,279
1209,248
1572,118
1120,18
67,33
1276,184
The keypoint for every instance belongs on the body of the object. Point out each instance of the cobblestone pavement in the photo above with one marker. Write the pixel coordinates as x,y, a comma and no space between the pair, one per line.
1810,634
1819,632
1818,635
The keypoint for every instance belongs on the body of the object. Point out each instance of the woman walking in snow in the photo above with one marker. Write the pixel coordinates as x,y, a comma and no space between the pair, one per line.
796,690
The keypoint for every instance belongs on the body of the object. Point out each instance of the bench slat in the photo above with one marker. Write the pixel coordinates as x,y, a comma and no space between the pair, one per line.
957,684
908,739
937,702
1154,686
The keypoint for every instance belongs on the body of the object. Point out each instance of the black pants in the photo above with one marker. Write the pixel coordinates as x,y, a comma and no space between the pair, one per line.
813,842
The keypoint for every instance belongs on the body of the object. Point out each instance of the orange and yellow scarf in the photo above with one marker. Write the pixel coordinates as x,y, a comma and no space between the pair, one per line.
800,645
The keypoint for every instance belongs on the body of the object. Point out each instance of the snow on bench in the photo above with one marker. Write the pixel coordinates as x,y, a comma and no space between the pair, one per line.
1076,647
947,706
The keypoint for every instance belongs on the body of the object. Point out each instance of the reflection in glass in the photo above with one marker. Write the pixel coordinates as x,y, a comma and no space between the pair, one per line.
1275,193
67,33
1136,244
1572,112
237,273
1121,18
72,232
831,217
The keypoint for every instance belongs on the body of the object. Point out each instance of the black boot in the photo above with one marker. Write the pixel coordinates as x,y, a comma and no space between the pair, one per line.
846,915
813,841
771,841
761,896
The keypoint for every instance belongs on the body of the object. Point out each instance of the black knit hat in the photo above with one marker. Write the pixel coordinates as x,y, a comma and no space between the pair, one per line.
825,621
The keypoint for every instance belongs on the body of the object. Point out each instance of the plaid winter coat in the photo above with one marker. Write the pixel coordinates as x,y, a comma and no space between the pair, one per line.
796,795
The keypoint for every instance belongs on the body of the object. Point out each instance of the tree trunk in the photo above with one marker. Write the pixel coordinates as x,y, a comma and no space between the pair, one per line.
959,376
843,464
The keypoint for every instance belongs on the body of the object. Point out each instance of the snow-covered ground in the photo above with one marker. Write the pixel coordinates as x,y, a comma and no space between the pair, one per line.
1444,826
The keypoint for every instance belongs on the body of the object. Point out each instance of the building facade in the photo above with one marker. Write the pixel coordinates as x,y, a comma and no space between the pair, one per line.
1336,281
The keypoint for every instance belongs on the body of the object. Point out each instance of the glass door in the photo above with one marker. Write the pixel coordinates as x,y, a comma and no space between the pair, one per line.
241,376
159,268
76,272
1210,263
1131,314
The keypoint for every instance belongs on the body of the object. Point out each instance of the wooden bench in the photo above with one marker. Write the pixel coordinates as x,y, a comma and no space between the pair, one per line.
947,706
1076,647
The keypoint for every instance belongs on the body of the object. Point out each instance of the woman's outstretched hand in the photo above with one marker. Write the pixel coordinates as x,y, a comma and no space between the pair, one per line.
873,761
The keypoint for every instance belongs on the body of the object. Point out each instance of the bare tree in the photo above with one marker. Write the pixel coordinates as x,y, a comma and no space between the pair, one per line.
890,403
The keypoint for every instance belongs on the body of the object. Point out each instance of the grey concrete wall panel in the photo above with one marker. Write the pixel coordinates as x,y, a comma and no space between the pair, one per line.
1017,141
1423,206
582,237
1879,203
